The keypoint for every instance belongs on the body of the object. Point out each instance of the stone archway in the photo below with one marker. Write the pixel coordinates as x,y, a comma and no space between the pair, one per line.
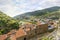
24,38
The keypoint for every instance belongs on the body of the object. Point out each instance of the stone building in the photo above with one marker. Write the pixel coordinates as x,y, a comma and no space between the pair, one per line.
34,30
41,28
27,31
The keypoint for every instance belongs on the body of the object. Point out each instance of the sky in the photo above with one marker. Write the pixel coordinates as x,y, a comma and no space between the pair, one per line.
16,7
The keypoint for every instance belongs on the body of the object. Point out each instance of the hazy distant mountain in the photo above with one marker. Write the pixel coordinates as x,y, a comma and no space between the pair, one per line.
38,12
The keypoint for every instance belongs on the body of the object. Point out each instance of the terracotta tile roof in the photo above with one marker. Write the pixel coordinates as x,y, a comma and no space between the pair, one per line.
13,37
20,33
29,27
3,37
11,32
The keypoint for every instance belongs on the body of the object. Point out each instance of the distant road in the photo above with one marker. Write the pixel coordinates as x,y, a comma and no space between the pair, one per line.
55,34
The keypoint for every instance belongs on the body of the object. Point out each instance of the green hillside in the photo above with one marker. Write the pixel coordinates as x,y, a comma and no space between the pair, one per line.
45,13
7,23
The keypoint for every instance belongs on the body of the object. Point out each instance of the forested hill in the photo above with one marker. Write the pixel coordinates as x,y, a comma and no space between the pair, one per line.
42,13
7,23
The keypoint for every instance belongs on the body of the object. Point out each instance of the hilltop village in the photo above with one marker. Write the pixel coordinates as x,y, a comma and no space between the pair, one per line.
31,25
28,30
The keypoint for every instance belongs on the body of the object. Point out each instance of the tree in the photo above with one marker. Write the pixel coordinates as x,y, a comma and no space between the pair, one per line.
7,23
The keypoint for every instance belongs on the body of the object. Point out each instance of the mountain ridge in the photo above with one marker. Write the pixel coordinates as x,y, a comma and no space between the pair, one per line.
39,12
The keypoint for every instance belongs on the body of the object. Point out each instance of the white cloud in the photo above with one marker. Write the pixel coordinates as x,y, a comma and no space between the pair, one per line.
15,7
9,10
